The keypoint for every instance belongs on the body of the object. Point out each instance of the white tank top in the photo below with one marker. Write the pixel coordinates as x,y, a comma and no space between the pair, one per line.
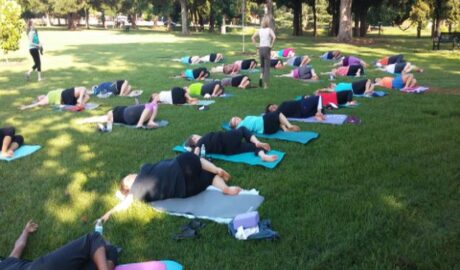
166,97
264,35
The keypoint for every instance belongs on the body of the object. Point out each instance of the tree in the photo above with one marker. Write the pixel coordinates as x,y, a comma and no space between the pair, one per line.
312,4
11,25
184,16
334,9
346,23
69,8
360,8
419,14
296,6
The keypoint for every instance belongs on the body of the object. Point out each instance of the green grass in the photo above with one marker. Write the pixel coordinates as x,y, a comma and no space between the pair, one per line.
379,195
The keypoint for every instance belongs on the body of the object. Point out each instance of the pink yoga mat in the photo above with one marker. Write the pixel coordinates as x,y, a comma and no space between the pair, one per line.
152,265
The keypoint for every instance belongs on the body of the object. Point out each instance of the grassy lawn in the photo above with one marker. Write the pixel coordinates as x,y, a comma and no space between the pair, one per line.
383,194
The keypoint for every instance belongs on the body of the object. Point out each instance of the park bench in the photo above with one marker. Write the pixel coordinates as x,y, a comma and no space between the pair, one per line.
453,37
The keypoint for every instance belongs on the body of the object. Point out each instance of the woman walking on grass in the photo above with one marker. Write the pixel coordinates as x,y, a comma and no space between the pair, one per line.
266,39
35,48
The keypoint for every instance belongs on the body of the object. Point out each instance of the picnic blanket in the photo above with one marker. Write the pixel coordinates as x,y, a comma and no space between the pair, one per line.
151,265
160,123
211,204
245,158
22,151
333,119
298,136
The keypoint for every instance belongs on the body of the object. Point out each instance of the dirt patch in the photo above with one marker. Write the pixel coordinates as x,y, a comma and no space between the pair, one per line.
444,91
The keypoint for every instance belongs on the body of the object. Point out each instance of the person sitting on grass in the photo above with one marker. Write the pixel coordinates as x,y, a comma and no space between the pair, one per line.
139,115
175,96
361,87
398,82
305,107
90,251
298,61
331,55
286,53
400,68
198,74
184,176
10,141
117,88
268,123
355,70
230,143
333,99
305,73
73,96
240,81
350,61
209,90
388,60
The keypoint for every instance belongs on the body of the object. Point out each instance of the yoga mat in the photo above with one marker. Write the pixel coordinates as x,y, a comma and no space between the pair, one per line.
298,136
227,95
22,151
333,119
152,265
375,94
161,123
254,70
415,89
245,158
203,103
210,204
88,106
349,106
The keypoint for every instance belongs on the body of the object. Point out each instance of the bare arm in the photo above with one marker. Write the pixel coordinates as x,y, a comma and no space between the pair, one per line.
254,38
42,102
190,100
21,243
123,205
273,36
208,166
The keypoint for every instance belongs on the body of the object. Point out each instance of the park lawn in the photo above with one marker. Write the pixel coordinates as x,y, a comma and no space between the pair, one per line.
383,194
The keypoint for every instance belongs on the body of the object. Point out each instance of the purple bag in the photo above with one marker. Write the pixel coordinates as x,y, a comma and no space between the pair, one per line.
247,220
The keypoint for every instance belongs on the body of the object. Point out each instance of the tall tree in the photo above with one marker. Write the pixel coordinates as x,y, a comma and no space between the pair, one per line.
346,22
419,14
11,25
296,6
70,9
334,9
269,13
312,4
360,8
184,16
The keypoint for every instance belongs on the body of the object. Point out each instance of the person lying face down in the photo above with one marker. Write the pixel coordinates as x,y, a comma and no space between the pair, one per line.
305,107
181,177
73,96
90,251
240,81
361,87
10,141
117,88
212,89
399,82
350,61
401,68
176,96
286,52
268,123
298,61
331,55
230,143
302,73
388,60
196,74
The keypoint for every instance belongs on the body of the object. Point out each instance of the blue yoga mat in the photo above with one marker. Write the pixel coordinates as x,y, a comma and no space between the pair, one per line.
333,119
299,136
375,94
349,106
246,158
23,151
161,123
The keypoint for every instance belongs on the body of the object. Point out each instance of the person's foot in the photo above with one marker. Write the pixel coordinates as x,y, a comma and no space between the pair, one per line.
26,76
294,128
269,158
152,125
222,173
264,146
232,190
333,105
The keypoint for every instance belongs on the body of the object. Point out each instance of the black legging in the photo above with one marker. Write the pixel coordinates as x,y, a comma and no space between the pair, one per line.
344,96
36,56
11,131
271,122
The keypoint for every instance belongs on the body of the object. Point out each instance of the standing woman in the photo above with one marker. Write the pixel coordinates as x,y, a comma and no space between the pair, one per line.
266,39
34,47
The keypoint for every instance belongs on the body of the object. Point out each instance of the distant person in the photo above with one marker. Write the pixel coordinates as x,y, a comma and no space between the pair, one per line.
388,60
208,90
286,53
400,68
240,81
198,74
35,48
305,107
354,70
361,87
350,61
331,55
266,39
398,82
305,73
175,96
298,61
117,88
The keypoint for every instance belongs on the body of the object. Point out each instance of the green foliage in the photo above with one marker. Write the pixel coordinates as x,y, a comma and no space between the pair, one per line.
11,25
420,12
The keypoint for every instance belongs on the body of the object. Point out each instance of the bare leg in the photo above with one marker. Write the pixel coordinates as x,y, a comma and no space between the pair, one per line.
244,82
217,91
219,183
286,125
146,114
210,167
97,119
100,259
125,88
369,88
6,145
13,148
305,60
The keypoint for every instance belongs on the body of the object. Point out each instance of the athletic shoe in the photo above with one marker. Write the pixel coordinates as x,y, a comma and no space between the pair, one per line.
333,105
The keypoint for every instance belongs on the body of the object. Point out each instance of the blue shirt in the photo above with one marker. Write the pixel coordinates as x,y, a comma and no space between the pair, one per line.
255,124
185,60
343,87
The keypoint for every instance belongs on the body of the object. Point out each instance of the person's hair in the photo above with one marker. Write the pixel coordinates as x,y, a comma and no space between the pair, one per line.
152,96
267,108
30,24
265,23
227,68
190,142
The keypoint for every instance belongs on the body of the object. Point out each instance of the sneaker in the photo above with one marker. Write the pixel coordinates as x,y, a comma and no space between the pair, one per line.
102,128
333,105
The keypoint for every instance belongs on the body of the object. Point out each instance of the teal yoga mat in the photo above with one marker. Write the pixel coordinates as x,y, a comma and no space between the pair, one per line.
302,137
22,151
245,158
161,123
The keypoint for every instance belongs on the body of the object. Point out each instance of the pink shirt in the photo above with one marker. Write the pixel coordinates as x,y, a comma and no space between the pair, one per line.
151,106
341,71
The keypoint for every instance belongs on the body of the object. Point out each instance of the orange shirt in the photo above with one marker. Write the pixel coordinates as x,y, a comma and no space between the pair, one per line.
384,61
387,82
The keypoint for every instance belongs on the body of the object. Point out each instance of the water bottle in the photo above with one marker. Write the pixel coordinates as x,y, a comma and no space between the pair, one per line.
203,151
99,228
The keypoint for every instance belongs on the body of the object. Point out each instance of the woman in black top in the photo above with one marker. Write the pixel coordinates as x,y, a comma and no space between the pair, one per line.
303,108
230,143
10,141
181,177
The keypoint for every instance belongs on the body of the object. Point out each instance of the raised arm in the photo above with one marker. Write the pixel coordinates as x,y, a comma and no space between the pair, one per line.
21,243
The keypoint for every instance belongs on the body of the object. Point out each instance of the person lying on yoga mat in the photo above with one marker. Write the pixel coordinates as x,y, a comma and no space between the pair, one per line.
176,96
389,60
350,61
399,82
195,74
10,141
331,55
213,58
90,251
401,68
209,90
184,176
240,81
287,52
268,123
355,70
305,73
305,107
298,61
139,115
276,63
230,143
235,68
117,88
361,87
73,96
331,98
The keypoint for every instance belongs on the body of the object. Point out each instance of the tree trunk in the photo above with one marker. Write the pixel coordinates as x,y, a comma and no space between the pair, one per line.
87,17
433,27
314,18
438,26
297,23
201,21
170,26
59,21
450,27
363,25
48,19
133,21
269,13
419,29
346,23
356,27
71,21
212,18
223,27
184,15
334,9
103,20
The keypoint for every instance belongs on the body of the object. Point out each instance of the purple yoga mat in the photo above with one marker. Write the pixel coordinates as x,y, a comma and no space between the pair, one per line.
332,119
